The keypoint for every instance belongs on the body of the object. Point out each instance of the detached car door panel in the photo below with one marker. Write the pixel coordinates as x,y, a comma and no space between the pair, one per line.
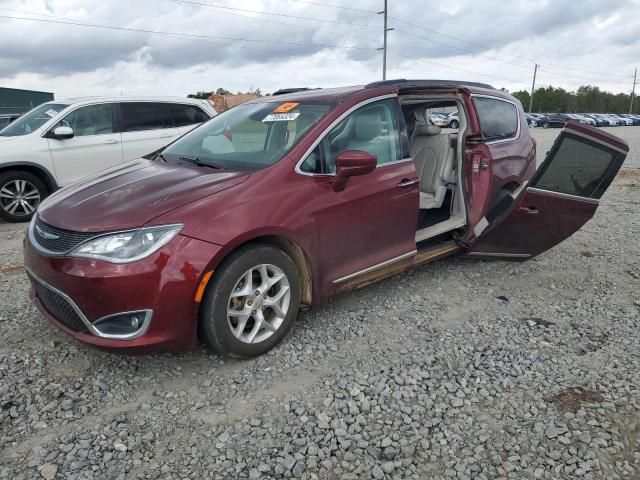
562,196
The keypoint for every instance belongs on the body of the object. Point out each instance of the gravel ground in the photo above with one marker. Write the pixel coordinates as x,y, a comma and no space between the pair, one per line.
461,369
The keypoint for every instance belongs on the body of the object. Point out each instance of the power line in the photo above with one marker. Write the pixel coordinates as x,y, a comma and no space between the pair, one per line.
486,47
185,35
456,68
331,5
260,12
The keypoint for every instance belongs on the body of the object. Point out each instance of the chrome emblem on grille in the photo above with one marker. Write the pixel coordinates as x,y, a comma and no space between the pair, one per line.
46,235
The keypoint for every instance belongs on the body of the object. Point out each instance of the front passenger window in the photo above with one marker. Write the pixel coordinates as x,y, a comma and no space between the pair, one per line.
89,120
372,128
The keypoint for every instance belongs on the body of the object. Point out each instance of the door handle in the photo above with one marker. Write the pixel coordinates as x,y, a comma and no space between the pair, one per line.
529,210
111,141
407,183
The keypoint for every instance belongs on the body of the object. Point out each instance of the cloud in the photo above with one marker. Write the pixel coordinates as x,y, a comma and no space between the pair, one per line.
576,43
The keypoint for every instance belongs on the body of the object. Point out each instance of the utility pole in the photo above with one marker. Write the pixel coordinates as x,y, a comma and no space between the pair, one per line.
384,48
533,87
633,90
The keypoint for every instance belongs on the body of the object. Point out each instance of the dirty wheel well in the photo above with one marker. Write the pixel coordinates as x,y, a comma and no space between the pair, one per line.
298,256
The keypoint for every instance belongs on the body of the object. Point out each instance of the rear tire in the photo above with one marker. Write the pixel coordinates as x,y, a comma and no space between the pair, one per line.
20,195
251,302
545,125
454,124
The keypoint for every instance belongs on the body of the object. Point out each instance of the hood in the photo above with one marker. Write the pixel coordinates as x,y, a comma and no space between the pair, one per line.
131,195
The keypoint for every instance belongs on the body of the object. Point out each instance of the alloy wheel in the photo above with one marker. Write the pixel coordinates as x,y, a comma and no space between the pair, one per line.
258,303
19,197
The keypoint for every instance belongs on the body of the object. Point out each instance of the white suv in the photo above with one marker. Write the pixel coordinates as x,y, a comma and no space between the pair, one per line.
61,142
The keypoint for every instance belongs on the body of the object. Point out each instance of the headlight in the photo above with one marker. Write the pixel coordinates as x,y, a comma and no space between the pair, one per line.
129,246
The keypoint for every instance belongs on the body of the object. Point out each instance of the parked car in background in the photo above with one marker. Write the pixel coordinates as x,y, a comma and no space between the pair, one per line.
625,121
635,119
531,120
438,119
582,119
554,120
613,120
61,142
600,121
453,121
8,118
238,224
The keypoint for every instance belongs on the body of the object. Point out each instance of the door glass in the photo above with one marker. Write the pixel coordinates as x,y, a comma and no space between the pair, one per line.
578,166
188,115
89,120
372,128
498,119
140,116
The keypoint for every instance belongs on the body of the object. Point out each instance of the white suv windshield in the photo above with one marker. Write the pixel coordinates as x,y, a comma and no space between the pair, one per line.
33,120
249,136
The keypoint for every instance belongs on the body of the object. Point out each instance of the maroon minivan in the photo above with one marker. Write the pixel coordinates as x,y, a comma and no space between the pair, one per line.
276,204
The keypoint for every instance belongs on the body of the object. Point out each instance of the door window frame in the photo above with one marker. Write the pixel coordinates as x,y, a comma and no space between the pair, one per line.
121,116
401,128
500,99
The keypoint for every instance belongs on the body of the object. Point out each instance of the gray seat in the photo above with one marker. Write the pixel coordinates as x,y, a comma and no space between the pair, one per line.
434,157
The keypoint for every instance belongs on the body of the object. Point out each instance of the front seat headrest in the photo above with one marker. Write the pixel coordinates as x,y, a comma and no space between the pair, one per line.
421,114
427,130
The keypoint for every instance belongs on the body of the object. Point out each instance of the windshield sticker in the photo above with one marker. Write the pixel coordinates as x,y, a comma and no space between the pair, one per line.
281,117
285,107
51,112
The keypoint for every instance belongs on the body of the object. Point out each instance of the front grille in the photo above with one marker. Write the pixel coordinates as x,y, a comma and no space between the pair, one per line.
57,305
57,240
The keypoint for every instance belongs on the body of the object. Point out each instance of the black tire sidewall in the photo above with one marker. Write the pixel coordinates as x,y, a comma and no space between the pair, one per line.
213,327
12,175
454,124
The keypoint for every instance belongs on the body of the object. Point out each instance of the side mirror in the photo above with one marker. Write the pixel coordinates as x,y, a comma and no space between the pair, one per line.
351,163
62,133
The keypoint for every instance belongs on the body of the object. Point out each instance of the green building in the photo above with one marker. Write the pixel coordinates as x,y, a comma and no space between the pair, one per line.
13,100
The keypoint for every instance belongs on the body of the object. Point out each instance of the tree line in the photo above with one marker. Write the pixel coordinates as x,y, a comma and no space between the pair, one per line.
587,99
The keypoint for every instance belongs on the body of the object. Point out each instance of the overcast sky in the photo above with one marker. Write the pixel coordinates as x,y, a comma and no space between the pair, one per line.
203,46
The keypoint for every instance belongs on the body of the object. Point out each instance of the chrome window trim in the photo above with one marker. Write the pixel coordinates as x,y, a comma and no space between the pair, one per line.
506,100
90,326
565,195
376,266
330,127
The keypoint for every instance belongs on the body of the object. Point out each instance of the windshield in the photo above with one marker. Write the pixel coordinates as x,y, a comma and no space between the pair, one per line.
249,136
33,120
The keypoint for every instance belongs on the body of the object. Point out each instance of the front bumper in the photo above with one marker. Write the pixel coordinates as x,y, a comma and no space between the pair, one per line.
74,293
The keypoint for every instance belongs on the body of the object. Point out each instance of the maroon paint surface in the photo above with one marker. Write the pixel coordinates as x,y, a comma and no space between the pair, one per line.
372,220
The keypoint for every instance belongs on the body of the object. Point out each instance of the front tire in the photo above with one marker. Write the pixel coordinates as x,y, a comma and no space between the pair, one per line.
251,303
454,124
545,125
20,194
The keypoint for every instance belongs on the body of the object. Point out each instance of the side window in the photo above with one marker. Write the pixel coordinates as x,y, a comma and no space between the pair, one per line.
498,119
188,115
140,116
578,166
372,128
90,120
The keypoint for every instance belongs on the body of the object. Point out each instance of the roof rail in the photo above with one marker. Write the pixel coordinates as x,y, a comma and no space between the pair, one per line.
284,91
426,83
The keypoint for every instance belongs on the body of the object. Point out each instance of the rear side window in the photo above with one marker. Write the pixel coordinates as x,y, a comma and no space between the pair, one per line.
188,115
498,118
140,116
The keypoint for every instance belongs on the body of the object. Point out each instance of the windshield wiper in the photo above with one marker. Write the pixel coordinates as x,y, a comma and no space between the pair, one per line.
161,157
200,163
